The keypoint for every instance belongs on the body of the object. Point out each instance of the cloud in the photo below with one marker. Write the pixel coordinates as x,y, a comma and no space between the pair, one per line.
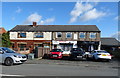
83,12
117,18
78,10
47,21
116,35
18,10
91,15
35,17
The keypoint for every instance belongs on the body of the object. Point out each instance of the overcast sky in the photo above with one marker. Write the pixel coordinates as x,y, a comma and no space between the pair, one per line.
102,14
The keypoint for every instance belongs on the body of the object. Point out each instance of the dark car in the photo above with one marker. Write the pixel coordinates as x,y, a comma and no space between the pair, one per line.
77,53
56,53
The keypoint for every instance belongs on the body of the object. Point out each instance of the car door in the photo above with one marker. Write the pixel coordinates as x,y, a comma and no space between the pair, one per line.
1,53
93,53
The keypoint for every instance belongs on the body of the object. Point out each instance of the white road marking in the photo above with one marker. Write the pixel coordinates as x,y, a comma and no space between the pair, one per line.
9,75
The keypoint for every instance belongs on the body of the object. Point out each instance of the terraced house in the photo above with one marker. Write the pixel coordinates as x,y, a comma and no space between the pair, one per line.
55,36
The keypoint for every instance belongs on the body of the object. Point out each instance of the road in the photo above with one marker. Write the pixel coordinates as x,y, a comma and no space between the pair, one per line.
77,68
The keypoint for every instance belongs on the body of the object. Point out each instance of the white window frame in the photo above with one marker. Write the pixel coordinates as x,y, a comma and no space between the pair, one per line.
57,34
18,34
38,37
92,34
83,33
70,33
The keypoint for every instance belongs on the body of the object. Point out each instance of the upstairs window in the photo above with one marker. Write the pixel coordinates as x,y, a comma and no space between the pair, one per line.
81,35
21,35
59,34
68,35
38,35
93,35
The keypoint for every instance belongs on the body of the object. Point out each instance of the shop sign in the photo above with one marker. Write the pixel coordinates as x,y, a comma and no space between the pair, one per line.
58,42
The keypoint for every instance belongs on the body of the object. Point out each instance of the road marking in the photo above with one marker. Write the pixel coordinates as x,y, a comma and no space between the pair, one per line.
9,75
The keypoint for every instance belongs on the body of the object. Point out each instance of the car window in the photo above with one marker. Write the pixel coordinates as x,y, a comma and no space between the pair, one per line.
93,51
102,51
56,50
7,50
77,49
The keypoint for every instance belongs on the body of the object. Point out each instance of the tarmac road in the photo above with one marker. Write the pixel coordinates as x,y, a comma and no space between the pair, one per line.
62,68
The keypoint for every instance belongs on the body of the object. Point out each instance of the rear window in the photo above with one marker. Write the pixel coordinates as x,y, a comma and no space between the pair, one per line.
56,50
77,49
102,51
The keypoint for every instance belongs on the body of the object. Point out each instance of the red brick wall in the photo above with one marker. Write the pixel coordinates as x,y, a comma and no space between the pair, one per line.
30,43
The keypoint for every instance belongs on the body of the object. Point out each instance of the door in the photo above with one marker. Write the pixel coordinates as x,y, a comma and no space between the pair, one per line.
1,52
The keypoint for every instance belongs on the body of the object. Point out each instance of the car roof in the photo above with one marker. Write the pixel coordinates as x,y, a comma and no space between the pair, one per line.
2,47
99,50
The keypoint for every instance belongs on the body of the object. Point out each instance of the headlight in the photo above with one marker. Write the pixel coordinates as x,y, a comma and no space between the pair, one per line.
16,56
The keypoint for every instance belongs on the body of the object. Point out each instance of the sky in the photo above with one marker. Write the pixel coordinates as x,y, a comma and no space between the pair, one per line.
102,14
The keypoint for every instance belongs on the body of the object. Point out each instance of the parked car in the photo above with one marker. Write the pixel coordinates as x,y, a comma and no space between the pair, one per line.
100,55
56,53
9,57
77,53
66,53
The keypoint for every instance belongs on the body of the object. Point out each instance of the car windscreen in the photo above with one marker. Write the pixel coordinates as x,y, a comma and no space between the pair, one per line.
7,50
77,50
56,50
102,51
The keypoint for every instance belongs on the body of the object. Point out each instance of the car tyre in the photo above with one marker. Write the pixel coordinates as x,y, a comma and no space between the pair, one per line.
8,62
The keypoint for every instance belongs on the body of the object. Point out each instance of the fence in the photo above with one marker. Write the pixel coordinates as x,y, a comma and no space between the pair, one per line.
22,50
41,52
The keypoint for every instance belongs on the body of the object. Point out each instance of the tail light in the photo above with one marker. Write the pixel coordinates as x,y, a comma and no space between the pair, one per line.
109,55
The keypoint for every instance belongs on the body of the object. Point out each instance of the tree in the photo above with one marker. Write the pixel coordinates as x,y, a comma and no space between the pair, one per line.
6,40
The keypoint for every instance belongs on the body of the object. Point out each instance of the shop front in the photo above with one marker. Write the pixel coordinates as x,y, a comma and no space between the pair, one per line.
64,45
88,45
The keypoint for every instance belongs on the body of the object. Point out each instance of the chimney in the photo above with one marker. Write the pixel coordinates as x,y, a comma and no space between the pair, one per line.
34,23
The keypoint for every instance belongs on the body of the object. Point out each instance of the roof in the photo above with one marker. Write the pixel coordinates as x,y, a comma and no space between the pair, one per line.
110,42
2,30
71,28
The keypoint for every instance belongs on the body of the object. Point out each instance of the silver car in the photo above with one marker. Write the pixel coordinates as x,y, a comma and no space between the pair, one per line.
9,57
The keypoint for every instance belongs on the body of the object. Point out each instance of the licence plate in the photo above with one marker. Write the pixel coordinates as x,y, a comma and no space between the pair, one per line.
103,55
79,56
54,55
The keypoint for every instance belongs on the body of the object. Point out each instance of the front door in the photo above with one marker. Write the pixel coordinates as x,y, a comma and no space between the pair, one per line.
1,55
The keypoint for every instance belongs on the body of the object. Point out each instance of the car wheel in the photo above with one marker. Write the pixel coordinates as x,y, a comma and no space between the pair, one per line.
8,62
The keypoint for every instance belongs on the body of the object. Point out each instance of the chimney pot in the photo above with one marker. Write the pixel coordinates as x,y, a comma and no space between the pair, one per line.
34,23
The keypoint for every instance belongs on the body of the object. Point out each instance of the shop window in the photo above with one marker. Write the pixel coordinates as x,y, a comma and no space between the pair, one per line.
59,34
69,35
22,46
38,35
92,35
81,35
21,35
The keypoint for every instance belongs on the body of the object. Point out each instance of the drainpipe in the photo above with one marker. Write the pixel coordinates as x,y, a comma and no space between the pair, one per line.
99,46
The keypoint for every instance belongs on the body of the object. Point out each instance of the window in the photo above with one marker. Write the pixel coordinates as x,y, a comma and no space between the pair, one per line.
69,35
92,35
38,35
21,35
81,35
59,34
